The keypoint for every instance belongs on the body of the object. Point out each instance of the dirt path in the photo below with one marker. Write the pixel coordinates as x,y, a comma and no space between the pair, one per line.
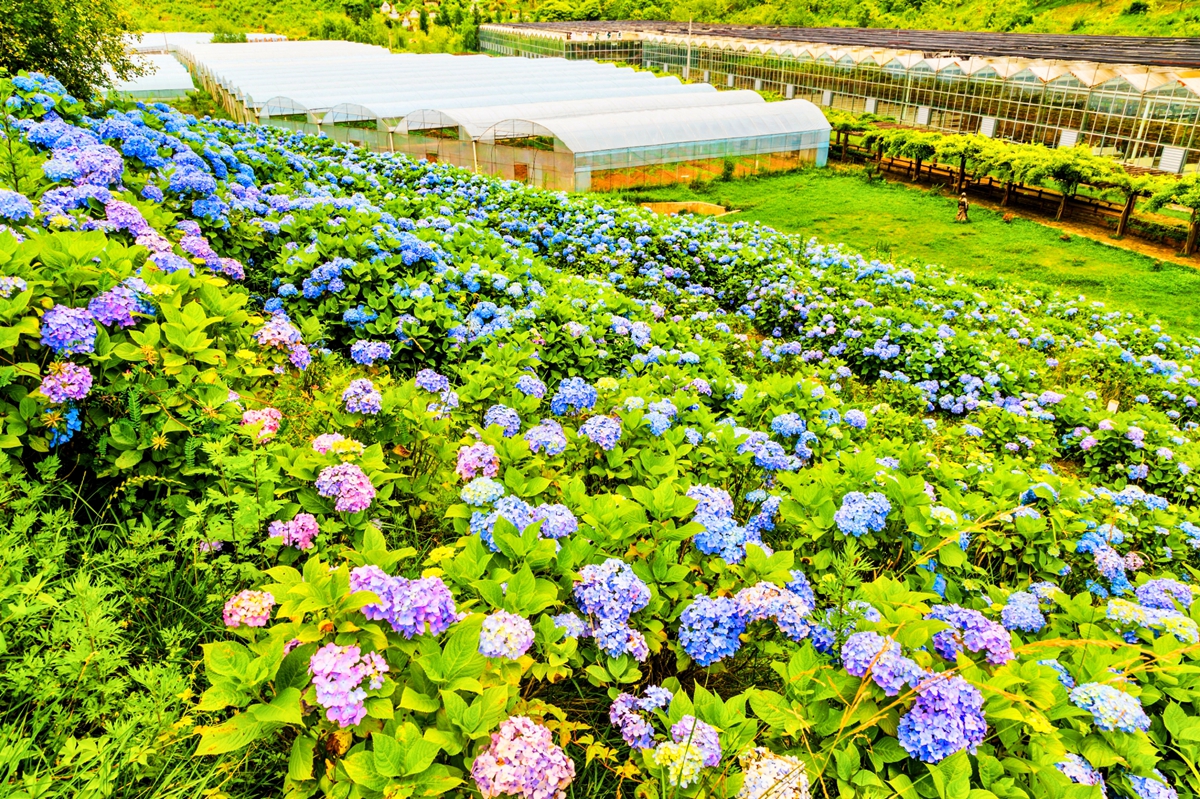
1149,249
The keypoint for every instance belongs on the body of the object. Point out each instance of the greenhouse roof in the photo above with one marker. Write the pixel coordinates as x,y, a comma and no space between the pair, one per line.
475,121
1147,50
164,76
594,133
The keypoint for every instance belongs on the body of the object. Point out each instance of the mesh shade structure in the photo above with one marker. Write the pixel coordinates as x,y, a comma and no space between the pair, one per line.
553,122
1135,99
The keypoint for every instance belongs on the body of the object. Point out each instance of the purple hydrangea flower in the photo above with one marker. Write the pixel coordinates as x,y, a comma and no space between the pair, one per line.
69,331
66,381
349,484
361,397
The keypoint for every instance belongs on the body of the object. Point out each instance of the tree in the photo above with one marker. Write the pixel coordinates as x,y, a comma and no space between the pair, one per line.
423,20
1185,192
965,148
74,40
1068,168
360,10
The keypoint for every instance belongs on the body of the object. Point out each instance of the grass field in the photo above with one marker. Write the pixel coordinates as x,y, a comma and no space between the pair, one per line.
897,222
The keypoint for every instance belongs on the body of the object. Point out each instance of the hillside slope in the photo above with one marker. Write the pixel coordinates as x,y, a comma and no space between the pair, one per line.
1121,17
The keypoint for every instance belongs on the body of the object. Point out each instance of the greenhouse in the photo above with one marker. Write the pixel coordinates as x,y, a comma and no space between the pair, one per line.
554,123
1134,99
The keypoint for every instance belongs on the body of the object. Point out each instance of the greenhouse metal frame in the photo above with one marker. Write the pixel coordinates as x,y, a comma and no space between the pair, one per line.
1136,100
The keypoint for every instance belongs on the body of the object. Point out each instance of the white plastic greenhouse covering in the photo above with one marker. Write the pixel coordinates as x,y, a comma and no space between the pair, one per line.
473,122
165,42
610,126
597,133
165,78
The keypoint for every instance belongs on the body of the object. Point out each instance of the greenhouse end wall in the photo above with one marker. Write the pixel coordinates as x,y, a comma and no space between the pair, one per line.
606,171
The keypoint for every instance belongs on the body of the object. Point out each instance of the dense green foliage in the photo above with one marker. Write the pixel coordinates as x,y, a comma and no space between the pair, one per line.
76,41
1136,18
874,523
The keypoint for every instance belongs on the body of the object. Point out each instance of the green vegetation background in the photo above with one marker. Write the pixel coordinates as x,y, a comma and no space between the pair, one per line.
888,220
354,18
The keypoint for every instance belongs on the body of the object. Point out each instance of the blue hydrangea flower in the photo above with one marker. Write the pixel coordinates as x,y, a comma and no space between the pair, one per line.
574,395
947,717
1021,612
862,513
1111,708
505,418
709,629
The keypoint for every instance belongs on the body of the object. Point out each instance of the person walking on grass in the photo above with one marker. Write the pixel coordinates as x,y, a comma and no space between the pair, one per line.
964,205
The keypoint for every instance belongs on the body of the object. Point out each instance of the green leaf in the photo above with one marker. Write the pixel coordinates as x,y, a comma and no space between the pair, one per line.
300,762
226,658
283,709
239,731
415,700
360,767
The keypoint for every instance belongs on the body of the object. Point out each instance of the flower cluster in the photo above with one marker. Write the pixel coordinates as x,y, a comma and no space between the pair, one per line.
722,535
348,484
766,775
574,395
1022,612
369,352
299,532
264,423
546,437
947,717
66,381
603,431
972,630
503,417
862,513
338,673
626,714
505,635
522,761
870,653
1111,708
477,459
361,397
411,607
710,629
249,609
610,593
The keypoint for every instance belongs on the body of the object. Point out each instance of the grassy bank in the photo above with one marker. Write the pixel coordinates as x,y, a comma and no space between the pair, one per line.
897,222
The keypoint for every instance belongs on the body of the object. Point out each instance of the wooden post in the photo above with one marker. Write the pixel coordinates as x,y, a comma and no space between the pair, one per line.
1123,224
1062,205
1007,193
1189,246
962,174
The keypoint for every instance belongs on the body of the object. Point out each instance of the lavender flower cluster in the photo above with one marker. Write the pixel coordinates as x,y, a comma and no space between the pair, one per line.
411,607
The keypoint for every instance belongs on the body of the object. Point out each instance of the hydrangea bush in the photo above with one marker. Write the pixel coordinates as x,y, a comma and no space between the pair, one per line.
492,491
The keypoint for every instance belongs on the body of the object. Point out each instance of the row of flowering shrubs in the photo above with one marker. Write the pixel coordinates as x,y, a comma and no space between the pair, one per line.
510,493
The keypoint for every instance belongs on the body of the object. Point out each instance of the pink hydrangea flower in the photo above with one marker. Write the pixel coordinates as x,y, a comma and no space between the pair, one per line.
249,609
522,760
477,459
269,418
298,532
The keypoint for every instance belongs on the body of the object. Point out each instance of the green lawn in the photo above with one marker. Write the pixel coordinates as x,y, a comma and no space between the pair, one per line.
896,222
